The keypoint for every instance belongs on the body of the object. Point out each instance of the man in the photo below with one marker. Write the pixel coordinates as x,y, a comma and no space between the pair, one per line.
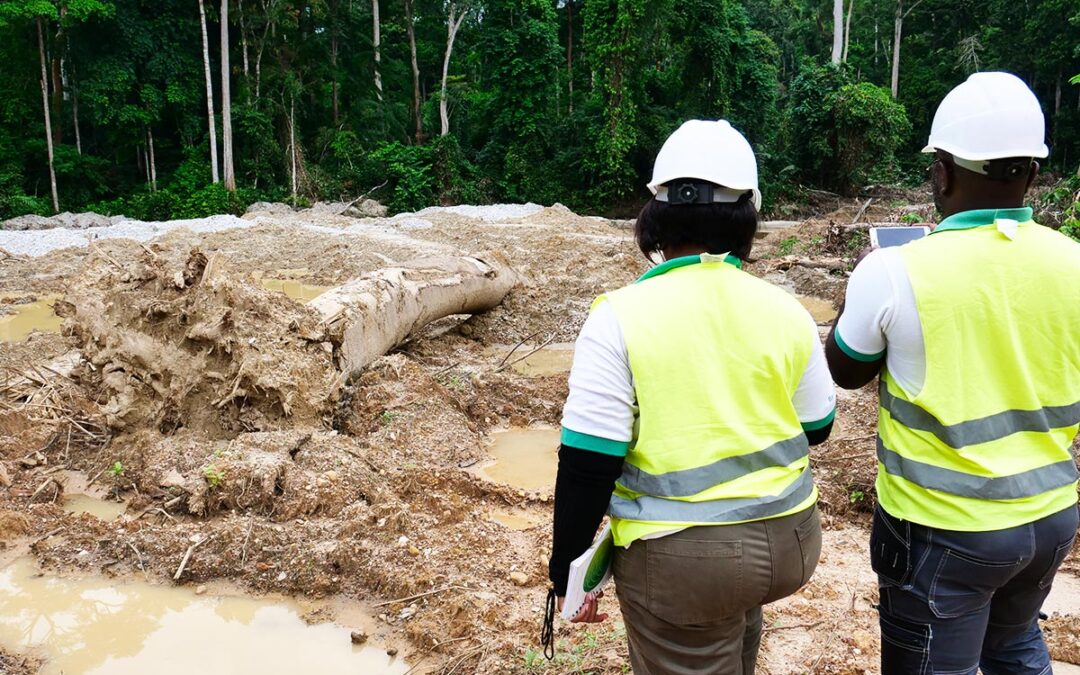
975,331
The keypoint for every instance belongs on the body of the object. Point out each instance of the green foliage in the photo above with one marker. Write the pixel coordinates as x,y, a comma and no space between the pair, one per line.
116,470
530,120
409,172
910,218
213,475
843,135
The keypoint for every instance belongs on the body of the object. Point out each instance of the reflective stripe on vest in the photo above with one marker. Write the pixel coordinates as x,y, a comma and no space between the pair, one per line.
648,508
985,445
716,356
984,429
698,479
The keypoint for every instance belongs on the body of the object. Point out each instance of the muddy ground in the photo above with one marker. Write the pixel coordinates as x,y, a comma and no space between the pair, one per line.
213,411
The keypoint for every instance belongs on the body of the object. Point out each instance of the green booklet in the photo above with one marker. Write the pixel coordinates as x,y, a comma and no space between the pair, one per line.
588,573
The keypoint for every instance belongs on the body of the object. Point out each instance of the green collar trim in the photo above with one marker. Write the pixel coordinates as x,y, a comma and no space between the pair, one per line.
966,220
675,263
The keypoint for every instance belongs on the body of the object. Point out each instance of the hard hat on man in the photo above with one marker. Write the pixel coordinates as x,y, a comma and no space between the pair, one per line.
989,116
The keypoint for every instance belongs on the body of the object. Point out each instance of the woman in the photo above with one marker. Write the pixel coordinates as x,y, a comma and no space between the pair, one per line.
694,395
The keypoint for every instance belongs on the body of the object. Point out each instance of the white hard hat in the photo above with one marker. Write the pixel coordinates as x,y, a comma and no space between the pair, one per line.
990,116
710,151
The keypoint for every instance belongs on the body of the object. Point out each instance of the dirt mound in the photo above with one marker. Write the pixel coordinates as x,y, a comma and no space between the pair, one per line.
197,347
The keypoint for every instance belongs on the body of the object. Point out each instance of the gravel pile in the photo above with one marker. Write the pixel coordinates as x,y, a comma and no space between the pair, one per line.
36,243
490,213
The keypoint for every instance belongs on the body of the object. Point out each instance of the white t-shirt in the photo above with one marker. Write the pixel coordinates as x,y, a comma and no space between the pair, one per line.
602,402
880,310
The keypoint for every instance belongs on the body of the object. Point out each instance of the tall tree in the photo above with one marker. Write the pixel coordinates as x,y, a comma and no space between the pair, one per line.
226,102
48,119
209,95
838,30
376,40
411,29
898,33
455,15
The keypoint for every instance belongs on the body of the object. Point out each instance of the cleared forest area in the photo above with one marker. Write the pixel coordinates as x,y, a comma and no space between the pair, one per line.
196,390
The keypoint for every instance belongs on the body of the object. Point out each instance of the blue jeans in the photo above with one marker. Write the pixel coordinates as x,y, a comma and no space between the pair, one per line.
954,602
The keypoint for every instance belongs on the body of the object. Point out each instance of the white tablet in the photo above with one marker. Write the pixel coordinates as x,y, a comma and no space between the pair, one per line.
881,237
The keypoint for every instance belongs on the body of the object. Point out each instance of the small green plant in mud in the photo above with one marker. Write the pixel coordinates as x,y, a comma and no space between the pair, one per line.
589,653
388,416
452,381
787,247
116,471
911,218
213,475
856,496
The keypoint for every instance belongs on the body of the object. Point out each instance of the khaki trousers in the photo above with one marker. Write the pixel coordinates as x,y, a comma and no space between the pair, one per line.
692,600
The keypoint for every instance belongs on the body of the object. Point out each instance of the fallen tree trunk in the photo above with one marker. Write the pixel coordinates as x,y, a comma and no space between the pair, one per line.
370,315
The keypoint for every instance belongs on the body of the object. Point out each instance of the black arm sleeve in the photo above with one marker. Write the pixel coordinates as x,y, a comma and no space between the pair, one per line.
582,491
819,436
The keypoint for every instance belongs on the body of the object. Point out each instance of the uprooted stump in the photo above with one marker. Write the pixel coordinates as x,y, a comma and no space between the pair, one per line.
207,350
198,348
368,316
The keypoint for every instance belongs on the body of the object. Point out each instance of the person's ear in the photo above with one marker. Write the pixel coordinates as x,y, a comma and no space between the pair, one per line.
1032,175
943,176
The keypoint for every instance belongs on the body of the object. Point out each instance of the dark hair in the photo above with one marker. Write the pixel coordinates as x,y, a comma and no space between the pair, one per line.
719,227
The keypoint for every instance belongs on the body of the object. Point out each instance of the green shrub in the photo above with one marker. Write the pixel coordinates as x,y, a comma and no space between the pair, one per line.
840,134
409,174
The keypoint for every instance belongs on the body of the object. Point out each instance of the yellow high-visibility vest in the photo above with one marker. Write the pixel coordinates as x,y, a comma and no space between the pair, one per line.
716,355
985,445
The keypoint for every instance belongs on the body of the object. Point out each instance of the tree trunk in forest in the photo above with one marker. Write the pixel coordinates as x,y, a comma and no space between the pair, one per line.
570,53
75,118
292,147
452,26
898,30
415,71
838,30
57,68
333,72
847,29
48,120
244,44
153,162
226,103
370,315
375,40
209,95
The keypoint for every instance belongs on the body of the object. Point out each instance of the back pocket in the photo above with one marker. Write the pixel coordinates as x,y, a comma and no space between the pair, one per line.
964,584
1060,554
694,582
890,548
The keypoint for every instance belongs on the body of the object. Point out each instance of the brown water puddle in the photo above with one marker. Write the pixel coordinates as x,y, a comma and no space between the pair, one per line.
822,310
98,626
294,289
95,506
554,359
515,521
523,458
35,316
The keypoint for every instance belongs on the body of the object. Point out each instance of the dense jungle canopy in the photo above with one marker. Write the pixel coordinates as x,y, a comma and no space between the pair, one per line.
172,108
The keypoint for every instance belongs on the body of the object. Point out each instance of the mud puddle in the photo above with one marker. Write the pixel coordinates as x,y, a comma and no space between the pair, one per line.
97,626
517,521
294,289
554,359
25,319
523,458
822,310
99,508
